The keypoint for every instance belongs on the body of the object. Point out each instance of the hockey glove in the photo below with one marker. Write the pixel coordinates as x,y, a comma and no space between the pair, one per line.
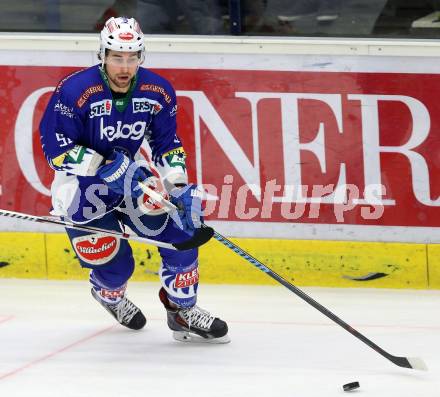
188,200
123,175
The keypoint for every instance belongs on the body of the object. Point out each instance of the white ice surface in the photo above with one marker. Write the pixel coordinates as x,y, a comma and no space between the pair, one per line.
55,340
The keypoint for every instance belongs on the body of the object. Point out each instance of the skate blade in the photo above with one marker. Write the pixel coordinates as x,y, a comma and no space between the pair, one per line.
183,336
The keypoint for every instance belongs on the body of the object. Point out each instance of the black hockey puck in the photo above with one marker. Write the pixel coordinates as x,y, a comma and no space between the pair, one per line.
351,386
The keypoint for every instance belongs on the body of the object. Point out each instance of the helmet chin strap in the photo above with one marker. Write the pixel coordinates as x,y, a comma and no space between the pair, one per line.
102,68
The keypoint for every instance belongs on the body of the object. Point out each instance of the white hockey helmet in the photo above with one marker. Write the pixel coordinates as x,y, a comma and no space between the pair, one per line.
122,34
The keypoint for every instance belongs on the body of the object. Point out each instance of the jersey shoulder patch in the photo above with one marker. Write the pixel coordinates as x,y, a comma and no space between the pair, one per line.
156,86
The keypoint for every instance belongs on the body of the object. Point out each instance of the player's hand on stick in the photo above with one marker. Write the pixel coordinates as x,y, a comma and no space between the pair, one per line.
122,175
188,200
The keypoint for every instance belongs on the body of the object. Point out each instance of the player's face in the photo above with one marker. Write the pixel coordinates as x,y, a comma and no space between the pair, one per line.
121,67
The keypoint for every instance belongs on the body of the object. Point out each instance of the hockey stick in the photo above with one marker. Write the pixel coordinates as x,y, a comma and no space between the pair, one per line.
200,237
54,221
406,362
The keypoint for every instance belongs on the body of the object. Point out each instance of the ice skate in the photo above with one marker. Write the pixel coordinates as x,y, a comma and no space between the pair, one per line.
125,312
194,324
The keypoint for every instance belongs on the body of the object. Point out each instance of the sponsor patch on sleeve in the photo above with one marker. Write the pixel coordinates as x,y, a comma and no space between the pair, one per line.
158,89
58,161
88,93
176,157
62,139
64,110
79,161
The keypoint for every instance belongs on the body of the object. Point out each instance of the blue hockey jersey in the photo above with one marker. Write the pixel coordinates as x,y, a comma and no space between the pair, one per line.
83,124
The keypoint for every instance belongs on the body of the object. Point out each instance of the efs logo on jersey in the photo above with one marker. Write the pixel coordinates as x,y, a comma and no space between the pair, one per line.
145,105
133,131
96,249
100,108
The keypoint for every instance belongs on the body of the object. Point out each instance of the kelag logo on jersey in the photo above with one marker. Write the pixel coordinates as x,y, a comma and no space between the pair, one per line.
145,105
133,131
100,108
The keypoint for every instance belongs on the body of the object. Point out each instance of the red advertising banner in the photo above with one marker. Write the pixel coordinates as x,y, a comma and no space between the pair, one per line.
301,147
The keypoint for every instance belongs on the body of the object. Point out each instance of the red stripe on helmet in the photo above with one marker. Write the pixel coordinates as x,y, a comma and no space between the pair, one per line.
137,28
111,26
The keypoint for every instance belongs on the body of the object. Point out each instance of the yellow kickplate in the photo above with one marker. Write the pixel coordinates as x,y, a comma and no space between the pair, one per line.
147,261
319,263
303,263
62,263
433,253
22,255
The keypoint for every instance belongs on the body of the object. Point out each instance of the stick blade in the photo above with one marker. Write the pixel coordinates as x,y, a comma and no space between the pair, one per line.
417,363
409,362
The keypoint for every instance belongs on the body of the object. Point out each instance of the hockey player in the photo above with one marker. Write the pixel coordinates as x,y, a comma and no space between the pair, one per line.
91,131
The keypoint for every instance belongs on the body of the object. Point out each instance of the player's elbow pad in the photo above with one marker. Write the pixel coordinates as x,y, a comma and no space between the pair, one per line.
79,160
